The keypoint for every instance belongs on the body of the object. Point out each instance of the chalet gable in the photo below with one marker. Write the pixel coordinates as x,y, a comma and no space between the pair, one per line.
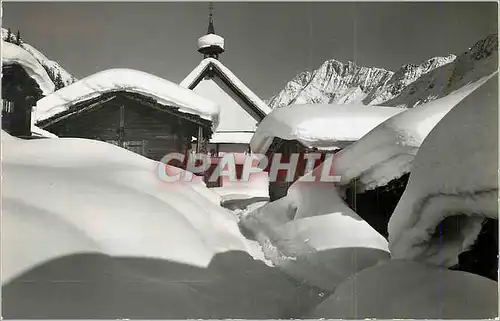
212,68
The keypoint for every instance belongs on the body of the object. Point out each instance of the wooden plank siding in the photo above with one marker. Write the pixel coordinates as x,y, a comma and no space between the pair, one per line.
19,94
160,131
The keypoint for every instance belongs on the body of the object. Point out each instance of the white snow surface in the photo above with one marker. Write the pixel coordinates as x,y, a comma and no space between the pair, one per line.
145,248
387,151
163,91
207,63
231,137
210,40
314,236
319,125
96,197
398,289
66,77
12,54
454,174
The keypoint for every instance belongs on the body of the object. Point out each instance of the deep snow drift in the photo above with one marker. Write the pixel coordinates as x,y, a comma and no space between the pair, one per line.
454,176
317,125
92,225
314,236
129,80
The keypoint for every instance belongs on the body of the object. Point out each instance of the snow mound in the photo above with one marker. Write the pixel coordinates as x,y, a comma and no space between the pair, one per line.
86,219
12,54
312,235
453,184
319,125
410,290
129,80
238,84
92,197
387,152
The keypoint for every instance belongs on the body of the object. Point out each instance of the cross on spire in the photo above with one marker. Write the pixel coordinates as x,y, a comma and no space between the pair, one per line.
211,29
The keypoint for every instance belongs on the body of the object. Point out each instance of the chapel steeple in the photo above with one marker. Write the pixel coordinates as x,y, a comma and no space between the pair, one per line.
211,45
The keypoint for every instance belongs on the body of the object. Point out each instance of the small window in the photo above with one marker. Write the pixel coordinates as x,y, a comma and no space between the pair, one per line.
7,106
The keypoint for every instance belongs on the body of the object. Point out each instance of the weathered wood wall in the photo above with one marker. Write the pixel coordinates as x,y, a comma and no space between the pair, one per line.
22,92
160,131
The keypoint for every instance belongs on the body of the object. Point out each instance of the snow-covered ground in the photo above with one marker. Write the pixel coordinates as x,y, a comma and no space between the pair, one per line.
319,125
90,187
12,54
399,289
314,236
163,91
86,219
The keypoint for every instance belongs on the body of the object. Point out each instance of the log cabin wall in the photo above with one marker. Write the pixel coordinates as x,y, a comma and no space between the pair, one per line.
143,129
19,94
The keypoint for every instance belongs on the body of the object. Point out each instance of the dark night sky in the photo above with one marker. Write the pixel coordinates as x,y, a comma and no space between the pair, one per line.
266,43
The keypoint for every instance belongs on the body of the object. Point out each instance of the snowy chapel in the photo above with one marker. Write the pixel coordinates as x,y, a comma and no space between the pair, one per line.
240,109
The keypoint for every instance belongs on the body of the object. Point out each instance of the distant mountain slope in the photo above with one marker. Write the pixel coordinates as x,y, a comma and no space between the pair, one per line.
479,61
410,85
56,72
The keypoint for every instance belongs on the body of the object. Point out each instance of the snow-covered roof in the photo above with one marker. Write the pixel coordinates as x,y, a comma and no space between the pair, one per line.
191,80
231,137
387,151
210,40
319,125
454,173
12,54
163,91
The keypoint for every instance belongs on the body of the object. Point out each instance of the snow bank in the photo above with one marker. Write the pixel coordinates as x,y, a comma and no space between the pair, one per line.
319,125
12,54
386,152
86,219
411,290
134,81
206,63
314,236
454,176
109,200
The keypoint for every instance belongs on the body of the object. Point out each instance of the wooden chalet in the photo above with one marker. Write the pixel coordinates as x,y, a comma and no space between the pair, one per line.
133,121
24,81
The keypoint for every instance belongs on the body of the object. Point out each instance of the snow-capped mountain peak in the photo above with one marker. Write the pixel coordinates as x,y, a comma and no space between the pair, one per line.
338,82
